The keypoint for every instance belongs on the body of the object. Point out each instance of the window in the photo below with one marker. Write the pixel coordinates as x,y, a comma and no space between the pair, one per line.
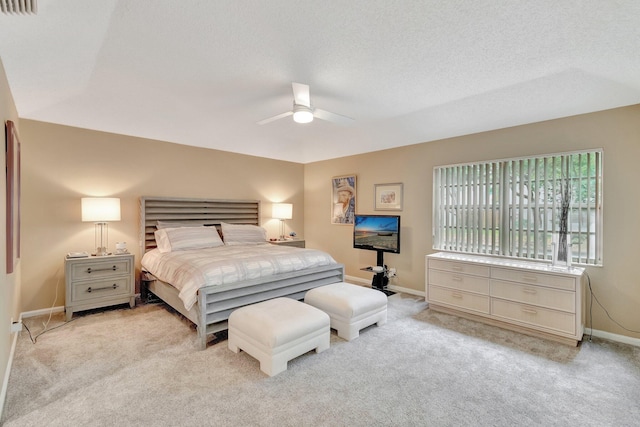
514,207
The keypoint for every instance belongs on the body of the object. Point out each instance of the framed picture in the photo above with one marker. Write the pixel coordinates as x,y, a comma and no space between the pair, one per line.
388,197
343,199
12,153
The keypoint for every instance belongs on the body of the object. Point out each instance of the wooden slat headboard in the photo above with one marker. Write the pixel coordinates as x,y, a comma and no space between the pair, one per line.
193,211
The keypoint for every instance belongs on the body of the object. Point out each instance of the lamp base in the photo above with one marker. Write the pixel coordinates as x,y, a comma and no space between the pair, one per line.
101,251
101,238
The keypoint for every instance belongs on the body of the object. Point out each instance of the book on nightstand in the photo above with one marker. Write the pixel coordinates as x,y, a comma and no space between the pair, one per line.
77,255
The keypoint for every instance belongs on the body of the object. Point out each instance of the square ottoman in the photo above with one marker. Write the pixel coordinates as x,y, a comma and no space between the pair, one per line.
350,307
278,330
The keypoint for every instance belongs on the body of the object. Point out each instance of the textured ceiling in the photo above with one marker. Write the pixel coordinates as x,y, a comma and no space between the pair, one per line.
203,72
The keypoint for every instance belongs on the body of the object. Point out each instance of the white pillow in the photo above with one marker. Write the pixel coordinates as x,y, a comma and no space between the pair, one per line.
183,238
174,224
243,234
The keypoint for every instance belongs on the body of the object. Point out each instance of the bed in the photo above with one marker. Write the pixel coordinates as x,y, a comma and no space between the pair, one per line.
209,306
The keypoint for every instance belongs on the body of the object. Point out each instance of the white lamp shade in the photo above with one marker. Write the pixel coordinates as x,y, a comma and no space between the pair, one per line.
100,209
282,211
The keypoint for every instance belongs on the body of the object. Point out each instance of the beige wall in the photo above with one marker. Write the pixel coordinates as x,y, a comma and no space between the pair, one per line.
62,164
9,284
616,285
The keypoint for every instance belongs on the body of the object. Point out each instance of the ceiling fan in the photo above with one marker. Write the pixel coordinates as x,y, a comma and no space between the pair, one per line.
303,112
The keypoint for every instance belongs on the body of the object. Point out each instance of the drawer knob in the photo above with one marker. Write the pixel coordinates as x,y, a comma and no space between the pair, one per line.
91,270
90,289
456,295
529,291
529,310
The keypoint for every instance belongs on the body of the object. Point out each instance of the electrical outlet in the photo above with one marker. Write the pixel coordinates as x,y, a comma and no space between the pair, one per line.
391,272
16,327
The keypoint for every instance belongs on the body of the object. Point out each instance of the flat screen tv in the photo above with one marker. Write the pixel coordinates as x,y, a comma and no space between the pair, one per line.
377,233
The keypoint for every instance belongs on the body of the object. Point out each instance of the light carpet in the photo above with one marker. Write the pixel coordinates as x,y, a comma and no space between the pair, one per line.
142,367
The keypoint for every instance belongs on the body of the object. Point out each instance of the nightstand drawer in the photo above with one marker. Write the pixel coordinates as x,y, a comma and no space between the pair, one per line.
101,289
95,269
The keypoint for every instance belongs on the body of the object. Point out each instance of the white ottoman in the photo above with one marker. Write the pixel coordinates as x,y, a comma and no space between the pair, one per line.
278,330
350,307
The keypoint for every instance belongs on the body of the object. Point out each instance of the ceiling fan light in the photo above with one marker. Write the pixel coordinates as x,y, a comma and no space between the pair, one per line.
302,114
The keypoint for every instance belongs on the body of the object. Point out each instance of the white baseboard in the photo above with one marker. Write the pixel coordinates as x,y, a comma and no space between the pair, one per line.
42,311
357,280
7,373
612,337
407,291
360,281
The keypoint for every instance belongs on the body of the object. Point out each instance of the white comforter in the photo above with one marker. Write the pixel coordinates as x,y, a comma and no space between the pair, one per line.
190,270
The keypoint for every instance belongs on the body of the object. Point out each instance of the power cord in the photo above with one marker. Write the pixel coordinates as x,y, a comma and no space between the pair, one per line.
593,296
46,324
34,339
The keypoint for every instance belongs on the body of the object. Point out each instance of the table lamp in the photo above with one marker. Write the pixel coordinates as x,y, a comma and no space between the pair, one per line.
100,210
282,211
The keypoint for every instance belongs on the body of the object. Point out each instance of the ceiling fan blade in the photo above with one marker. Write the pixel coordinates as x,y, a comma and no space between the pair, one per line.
331,117
274,118
301,94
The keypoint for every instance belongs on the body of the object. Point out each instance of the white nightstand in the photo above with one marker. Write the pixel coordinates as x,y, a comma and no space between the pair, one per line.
298,243
98,281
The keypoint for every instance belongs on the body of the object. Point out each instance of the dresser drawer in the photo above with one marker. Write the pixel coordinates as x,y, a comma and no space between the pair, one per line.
534,278
466,300
96,269
459,281
535,316
459,267
536,295
106,288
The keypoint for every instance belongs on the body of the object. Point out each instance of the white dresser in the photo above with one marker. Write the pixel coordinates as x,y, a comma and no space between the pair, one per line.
528,297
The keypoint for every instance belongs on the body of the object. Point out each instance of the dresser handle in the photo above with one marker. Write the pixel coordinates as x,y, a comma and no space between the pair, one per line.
114,268
530,278
456,279
456,268
529,291
89,289
529,310
456,295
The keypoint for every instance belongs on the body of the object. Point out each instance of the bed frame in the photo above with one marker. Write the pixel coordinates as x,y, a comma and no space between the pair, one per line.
215,303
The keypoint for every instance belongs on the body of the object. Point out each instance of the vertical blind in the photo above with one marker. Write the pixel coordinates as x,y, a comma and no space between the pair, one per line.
514,207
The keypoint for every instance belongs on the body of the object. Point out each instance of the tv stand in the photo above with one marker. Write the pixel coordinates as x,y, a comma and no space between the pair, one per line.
380,279
380,282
